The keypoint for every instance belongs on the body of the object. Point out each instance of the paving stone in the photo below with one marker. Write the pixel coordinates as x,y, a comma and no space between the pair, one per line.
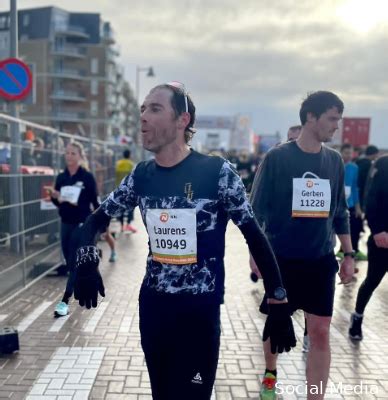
70,361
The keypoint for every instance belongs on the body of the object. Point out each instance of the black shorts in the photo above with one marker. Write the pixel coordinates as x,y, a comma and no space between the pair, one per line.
181,343
310,285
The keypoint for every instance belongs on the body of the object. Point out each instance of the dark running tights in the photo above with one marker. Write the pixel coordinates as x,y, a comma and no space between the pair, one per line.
377,267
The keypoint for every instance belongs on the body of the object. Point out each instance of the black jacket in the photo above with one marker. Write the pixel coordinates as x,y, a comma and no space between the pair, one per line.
69,213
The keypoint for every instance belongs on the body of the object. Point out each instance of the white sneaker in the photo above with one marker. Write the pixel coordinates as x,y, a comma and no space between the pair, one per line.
61,309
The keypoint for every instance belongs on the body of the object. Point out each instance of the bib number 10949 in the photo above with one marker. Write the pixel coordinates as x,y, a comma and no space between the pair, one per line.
169,244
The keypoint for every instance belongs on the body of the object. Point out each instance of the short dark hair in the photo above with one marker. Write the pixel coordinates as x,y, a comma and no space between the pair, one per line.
295,128
318,103
371,150
179,106
346,146
127,153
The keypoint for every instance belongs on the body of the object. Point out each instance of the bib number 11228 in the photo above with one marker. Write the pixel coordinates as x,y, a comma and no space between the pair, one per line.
312,203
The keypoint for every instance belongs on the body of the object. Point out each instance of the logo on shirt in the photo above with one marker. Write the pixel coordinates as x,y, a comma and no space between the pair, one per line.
197,379
189,193
309,184
164,217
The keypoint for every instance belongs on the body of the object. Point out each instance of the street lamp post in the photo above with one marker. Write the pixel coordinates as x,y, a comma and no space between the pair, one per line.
150,73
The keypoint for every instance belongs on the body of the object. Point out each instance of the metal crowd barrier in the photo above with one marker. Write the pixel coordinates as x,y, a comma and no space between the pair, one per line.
29,228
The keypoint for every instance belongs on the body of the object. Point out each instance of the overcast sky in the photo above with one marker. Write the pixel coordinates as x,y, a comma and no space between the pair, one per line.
255,57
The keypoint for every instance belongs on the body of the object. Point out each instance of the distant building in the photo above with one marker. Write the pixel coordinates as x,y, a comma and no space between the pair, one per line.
223,133
80,87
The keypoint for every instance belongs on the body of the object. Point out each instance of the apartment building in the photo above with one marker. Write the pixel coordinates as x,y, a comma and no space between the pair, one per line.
80,87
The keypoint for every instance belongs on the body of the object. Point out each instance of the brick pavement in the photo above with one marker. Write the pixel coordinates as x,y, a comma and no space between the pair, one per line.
97,354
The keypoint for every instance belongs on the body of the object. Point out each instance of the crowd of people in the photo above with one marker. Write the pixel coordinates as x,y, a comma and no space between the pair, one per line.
303,194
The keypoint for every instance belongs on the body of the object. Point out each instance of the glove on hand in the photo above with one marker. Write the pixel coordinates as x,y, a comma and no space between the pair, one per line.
88,281
279,328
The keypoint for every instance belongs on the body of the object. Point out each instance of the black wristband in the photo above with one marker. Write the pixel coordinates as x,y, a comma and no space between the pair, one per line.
350,254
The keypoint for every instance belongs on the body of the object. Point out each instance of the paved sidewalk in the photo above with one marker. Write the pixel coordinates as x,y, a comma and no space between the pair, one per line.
97,354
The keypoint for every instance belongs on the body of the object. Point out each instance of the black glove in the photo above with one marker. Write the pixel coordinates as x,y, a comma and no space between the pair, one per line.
88,281
279,328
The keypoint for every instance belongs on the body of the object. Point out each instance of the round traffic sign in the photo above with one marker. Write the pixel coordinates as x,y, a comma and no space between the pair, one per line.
15,79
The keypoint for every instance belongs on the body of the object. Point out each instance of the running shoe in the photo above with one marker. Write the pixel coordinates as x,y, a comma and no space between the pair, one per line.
61,309
268,388
113,256
130,228
355,330
360,256
306,344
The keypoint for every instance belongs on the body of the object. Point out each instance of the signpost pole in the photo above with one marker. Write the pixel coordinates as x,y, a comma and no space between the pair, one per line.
15,180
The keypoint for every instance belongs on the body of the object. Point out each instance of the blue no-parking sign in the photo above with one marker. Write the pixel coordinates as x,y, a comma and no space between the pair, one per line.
15,79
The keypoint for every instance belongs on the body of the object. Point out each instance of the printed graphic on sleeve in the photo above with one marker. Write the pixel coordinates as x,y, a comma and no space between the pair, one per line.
232,191
123,197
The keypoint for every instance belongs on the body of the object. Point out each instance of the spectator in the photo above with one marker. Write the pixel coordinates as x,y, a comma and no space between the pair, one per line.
124,167
40,153
293,132
364,164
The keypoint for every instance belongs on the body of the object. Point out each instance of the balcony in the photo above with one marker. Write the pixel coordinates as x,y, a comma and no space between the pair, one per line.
68,116
68,51
69,73
73,31
67,95
111,54
107,34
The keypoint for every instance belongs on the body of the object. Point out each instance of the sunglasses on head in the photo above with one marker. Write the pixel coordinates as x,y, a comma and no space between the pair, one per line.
181,87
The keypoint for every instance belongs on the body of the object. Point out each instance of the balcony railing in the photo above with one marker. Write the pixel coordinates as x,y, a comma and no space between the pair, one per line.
67,95
72,30
69,51
67,116
111,54
69,73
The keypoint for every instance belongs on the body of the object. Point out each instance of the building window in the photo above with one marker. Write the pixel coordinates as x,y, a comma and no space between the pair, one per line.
4,43
94,66
94,87
26,19
4,22
93,108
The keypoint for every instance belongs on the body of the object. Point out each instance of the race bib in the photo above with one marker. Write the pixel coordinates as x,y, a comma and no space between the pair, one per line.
173,235
70,194
348,192
311,197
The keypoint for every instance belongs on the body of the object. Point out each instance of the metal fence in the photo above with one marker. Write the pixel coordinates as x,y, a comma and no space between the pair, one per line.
29,223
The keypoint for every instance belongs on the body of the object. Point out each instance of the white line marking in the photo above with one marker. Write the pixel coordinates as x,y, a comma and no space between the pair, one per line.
27,321
92,324
58,324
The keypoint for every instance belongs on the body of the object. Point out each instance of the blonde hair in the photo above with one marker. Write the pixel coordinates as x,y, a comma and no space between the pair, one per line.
79,146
